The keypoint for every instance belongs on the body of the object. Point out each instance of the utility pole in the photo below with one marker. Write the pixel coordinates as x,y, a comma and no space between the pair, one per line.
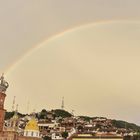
13,105
62,106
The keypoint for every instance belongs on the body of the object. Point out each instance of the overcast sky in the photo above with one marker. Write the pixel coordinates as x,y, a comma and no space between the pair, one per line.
26,23
84,54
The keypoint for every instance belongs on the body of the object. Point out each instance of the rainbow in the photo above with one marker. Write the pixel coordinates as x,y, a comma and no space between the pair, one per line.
57,35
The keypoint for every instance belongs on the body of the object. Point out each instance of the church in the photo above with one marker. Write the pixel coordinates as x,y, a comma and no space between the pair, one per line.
31,131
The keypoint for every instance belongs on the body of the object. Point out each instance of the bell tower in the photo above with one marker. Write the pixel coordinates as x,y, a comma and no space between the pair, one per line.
3,87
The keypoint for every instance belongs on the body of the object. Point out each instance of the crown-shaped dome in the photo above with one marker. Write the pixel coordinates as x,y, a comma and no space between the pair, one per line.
32,125
3,84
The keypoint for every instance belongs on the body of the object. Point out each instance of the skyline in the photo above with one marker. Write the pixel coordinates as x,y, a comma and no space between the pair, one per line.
98,55
77,62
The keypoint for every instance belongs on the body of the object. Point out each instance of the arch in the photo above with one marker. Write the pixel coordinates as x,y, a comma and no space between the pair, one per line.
84,25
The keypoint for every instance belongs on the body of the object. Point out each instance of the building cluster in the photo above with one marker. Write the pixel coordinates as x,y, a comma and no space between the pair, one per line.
51,126
55,127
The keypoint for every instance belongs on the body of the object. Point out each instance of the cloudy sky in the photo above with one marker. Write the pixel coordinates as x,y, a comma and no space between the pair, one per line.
85,50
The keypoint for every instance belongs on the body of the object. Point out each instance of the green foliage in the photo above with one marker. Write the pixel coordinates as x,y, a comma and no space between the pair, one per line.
127,138
46,138
62,113
123,124
86,118
135,137
9,115
65,134
43,114
80,128
56,113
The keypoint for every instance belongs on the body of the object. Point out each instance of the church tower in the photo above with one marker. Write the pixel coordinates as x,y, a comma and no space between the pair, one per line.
3,87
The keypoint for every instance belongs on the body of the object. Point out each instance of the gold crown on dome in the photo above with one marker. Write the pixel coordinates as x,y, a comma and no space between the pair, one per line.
3,84
32,125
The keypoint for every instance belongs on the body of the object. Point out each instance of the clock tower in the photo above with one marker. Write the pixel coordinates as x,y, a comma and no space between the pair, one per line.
3,87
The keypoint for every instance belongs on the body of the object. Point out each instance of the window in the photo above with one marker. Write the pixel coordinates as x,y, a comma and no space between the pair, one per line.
26,133
32,134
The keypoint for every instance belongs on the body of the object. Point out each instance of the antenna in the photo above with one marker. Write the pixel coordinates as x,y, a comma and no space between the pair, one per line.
17,108
62,106
13,105
34,110
33,114
28,107
72,112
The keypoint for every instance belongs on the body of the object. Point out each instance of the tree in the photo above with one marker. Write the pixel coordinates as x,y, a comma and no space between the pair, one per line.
127,138
43,114
46,138
9,115
80,128
65,134
62,113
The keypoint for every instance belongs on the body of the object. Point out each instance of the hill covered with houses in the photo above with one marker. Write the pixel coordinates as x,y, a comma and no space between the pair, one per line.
61,120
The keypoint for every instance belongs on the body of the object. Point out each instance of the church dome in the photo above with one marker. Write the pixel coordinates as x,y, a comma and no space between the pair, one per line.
32,125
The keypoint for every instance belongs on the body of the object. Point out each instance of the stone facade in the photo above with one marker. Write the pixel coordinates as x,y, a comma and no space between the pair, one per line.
2,110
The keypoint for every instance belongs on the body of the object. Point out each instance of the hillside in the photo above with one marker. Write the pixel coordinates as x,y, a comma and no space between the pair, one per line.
113,123
124,124
62,113
101,125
